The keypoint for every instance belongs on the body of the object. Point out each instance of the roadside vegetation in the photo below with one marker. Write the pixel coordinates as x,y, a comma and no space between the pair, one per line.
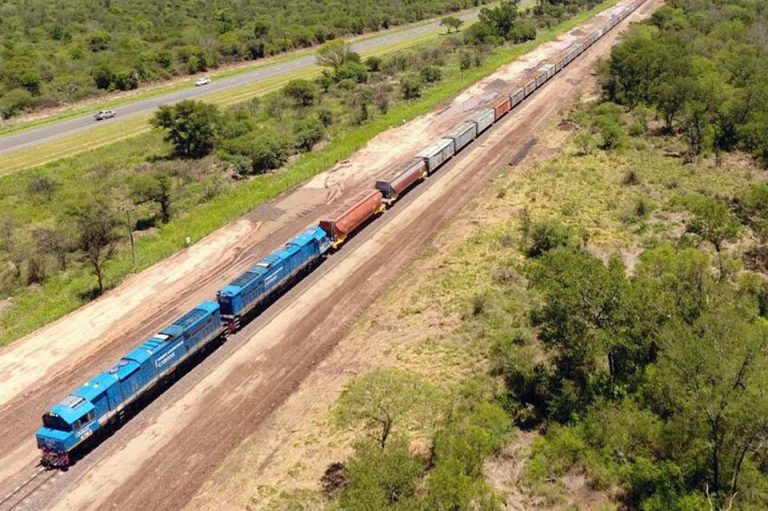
54,56
612,306
153,194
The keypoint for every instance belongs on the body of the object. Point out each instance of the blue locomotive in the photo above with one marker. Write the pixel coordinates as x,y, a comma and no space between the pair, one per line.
243,295
103,400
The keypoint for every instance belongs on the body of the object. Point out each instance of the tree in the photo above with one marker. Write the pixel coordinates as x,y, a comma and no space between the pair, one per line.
53,242
500,18
451,23
582,297
384,400
301,91
381,478
711,219
336,53
712,378
97,236
191,127
157,188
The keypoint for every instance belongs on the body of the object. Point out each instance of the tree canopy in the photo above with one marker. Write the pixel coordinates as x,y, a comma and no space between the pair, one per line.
78,48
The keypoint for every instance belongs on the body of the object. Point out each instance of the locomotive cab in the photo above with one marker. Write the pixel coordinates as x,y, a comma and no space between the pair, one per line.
65,425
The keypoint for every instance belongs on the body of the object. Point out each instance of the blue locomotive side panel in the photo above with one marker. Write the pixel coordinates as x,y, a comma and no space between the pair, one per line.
242,294
168,355
199,325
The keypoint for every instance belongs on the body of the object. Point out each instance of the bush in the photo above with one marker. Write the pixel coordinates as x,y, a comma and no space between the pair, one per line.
522,30
354,71
411,87
612,134
301,91
547,235
471,440
266,150
325,117
307,133
15,101
430,74
373,64
381,478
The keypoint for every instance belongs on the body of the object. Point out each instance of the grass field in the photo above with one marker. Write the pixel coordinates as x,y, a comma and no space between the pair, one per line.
64,293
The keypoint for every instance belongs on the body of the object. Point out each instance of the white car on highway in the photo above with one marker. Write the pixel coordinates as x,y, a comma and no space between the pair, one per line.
202,81
105,114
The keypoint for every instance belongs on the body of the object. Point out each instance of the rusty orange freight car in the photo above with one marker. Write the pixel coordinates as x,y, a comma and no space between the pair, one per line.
343,223
501,106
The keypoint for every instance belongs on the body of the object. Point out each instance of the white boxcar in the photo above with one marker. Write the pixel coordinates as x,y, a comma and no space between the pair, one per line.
517,97
436,154
462,135
530,88
483,119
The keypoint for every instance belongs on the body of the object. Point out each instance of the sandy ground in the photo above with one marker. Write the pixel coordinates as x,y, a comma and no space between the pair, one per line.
146,465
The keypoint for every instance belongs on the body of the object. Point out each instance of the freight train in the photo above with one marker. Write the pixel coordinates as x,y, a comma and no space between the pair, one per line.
105,401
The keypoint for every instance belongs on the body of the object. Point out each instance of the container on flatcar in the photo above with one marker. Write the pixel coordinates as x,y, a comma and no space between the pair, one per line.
401,180
340,225
437,153
462,135
501,106
517,97
530,87
484,119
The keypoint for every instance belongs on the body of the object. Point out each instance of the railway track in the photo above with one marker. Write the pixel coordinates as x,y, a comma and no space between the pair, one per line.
20,495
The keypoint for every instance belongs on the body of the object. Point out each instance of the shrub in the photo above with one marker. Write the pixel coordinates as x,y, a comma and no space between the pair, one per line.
522,30
547,235
352,71
411,87
430,73
266,150
373,64
307,133
301,91
381,478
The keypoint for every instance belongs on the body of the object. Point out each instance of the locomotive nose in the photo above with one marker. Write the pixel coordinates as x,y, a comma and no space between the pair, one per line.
52,440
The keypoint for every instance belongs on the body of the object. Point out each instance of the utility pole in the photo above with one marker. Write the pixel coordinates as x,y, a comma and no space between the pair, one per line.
130,235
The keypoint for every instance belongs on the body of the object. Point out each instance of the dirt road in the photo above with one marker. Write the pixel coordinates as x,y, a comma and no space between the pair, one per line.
160,458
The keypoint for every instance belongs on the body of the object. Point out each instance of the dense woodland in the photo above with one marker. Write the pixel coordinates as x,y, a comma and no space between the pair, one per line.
643,368
702,66
63,51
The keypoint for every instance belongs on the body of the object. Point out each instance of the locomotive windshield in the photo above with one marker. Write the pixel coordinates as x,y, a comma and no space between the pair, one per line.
55,422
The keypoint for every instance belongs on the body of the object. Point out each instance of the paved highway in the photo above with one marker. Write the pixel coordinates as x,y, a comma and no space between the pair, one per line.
74,125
